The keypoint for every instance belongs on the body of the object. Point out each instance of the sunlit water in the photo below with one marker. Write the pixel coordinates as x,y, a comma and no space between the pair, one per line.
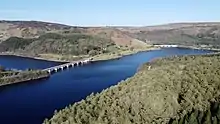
32,102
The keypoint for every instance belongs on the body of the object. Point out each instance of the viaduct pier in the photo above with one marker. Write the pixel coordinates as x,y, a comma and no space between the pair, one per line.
67,65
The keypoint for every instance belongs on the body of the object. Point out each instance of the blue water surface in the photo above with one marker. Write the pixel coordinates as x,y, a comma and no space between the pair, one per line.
32,102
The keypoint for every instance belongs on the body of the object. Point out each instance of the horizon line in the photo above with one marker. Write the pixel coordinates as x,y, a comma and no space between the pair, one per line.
102,25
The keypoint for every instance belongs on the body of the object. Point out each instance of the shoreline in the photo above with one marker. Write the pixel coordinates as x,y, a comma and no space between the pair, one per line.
101,57
30,57
25,80
135,79
199,48
114,57
105,57
93,61
13,77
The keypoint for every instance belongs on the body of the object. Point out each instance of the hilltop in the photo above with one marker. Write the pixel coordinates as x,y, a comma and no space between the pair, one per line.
27,29
176,88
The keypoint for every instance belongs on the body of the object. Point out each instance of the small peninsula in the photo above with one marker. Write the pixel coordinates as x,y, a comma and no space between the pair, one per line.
8,77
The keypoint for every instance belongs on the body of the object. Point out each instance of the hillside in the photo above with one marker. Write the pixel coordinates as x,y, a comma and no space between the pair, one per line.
34,29
61,42
27,29
206,33
75,44
178,33
56,40
185,84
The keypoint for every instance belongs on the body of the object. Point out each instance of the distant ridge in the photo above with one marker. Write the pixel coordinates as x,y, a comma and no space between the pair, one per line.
184,33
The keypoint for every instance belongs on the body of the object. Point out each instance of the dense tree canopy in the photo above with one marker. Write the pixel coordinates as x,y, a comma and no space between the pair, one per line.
74,44
170,89
10,76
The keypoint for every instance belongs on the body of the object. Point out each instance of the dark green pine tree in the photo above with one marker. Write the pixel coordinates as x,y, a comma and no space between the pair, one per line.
215,120
200,117
193,119
186,120
207,118
174,121
218,113
181,121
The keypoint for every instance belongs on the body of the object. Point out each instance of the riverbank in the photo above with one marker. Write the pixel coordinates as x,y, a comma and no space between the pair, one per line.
68,58
119,54
185,83
100,57
70,86
31,57
197,47
14,77
200,48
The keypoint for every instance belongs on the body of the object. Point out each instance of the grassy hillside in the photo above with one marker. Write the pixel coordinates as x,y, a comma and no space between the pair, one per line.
162,91
27,29
36,37
207,33
61,42
179,33
34,29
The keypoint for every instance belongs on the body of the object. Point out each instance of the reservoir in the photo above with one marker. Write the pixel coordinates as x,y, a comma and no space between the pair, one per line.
32,102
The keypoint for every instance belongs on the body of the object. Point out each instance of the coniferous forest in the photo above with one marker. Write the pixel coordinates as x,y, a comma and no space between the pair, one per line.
175,90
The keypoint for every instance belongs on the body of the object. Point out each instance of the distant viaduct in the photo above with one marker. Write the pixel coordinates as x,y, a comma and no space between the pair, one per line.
67,65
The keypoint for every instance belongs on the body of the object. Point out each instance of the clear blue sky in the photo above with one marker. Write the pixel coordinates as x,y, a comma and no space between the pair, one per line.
111,12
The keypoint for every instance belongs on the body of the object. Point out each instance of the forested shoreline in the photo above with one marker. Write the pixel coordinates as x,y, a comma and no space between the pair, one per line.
163,90
8,77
